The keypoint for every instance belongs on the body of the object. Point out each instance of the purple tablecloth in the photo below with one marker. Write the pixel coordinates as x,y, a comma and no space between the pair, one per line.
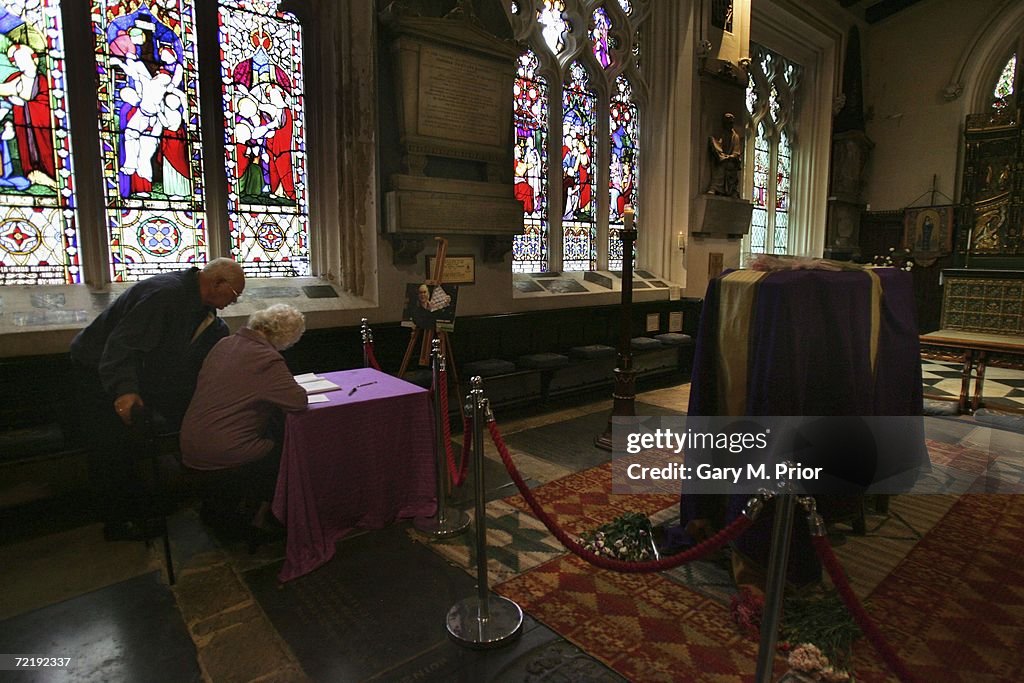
357,461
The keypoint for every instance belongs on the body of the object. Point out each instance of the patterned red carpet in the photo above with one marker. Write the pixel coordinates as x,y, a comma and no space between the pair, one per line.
953,608
583,501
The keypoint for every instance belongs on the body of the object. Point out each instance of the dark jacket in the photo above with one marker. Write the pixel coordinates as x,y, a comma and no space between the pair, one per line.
142,343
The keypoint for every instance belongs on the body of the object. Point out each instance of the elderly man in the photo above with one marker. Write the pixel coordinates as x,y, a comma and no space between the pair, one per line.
143,353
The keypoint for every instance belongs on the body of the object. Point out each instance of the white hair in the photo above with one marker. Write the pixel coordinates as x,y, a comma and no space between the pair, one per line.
281,324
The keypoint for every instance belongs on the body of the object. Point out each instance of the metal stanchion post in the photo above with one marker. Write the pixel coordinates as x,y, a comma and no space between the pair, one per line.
367,336
448,521
778,559
484,620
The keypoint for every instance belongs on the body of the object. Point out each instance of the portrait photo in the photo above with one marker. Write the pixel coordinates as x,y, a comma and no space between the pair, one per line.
430,307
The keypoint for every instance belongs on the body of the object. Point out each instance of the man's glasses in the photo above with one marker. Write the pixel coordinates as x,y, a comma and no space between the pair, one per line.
238,295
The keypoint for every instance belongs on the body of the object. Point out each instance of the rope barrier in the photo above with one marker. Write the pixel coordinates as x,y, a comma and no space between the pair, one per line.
370,357
857,611
701,550
457,475
819,540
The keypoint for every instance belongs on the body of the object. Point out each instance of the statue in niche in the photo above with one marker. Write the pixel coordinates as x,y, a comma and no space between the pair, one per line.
1004,177
848,167
726,151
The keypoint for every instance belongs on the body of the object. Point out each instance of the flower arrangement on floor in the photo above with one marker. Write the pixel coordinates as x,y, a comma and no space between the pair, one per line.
896,258
807,659
747,607
627,538
817,632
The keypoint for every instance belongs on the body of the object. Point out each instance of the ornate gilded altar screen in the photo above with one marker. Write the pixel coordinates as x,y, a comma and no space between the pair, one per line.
992,192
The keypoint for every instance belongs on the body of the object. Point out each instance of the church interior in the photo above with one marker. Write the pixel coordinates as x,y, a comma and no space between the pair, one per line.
813,208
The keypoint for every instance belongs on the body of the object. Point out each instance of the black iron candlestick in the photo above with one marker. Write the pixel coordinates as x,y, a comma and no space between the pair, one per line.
624,393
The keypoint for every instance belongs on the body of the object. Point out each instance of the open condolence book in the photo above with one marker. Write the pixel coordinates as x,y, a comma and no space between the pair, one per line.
315,385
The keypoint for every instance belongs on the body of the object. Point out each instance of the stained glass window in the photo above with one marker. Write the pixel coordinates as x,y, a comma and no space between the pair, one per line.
600,25
150,142
1004,84
771,106
624,125
530,250
38,222
759,217
560,109
784,160
579,132
552,17
264,125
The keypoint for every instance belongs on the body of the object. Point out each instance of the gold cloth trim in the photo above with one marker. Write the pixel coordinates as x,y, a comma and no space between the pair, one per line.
735,311
876,317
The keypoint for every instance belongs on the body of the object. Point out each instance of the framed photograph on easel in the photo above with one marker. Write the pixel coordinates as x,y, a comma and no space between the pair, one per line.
928,232
430,307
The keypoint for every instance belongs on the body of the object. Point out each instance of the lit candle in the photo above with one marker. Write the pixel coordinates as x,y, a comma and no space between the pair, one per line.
627,217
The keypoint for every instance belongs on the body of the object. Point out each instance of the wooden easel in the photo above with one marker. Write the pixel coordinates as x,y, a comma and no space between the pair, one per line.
426,337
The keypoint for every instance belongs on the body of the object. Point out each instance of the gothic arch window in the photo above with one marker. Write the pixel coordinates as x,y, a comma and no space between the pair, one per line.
39,232
530,112
579,138
149,195
265,141
623,177
1003,90
150,144
771,107
600,25
578,100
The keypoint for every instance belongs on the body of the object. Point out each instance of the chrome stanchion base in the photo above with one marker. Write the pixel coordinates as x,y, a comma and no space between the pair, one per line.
451,523
504,622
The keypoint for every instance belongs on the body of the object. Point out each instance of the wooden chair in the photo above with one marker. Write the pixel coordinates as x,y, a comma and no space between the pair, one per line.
152,443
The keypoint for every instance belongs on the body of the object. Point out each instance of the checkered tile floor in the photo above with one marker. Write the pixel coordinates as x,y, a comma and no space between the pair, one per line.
1002,388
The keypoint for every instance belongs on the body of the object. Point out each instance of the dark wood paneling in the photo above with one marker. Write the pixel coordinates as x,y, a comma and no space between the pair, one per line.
36,392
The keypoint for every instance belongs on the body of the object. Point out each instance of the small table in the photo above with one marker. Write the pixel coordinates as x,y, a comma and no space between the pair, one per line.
360,460
974,351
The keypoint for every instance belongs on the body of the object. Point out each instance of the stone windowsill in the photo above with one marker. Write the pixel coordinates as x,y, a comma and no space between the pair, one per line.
646,286
43,319
39,320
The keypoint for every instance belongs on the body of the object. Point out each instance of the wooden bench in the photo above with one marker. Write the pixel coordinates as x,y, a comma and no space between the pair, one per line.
974,351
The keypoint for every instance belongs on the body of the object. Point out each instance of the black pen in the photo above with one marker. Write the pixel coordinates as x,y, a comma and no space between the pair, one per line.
364,384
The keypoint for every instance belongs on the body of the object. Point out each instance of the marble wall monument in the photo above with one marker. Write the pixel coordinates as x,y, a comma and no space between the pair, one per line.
453,104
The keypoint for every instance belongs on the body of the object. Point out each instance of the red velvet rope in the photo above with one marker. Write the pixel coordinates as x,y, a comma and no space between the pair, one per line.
368,348
870,629
457,475
738,526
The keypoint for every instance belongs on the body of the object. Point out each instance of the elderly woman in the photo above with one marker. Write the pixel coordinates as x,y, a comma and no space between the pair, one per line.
234,422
